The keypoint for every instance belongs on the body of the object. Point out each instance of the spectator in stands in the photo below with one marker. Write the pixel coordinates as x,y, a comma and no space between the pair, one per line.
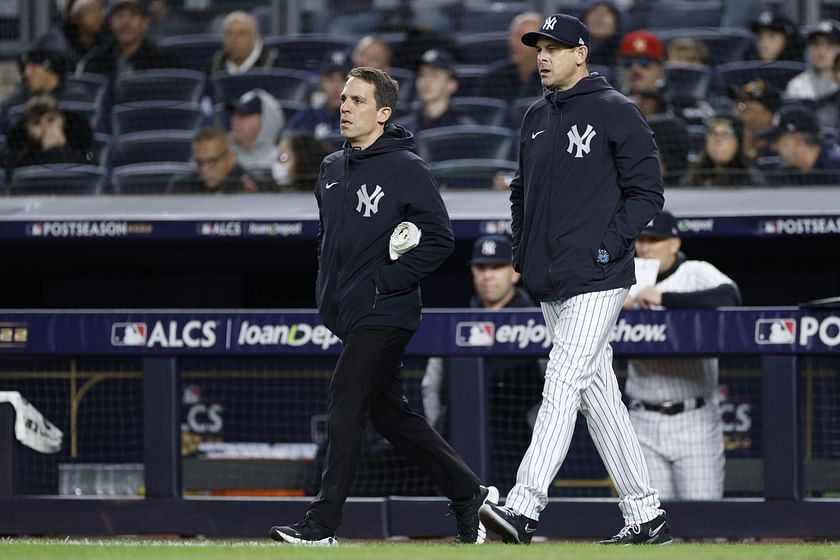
641,57
242,46
216,168
817,81
685,51
43,72
299,156
436,84
777,38
45,134
130,49
650,103
722,162
255,124
828,108
673,402
603,18
807,159
756,103
515,383
373,52
80,30
323,120
517,77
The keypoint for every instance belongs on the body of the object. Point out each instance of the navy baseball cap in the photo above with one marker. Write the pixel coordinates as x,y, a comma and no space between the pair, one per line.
438,59
248,104
826,28
794,118
758,90
663,225
136,6
335,61
562,28
492,249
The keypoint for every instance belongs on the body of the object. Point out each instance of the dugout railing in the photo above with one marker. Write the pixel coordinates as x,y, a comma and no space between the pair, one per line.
783,341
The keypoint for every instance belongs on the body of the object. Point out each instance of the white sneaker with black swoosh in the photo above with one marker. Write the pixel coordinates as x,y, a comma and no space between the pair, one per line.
655,531
513,527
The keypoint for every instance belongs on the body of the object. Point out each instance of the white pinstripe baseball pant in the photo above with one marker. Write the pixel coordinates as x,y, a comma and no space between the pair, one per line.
580,376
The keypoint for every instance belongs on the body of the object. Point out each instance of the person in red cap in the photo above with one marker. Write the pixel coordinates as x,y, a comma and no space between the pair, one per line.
642,56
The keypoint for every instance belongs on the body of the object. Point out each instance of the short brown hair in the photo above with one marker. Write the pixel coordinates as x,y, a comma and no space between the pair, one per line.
386,89
39,106
211,133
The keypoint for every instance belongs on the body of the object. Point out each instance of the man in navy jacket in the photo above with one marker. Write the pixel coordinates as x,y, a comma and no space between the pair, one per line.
587,183
372,302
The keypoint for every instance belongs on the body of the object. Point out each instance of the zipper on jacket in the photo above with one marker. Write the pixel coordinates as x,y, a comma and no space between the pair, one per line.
346,178
375,297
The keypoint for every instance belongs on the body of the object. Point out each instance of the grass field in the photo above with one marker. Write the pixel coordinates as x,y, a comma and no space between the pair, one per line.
132,549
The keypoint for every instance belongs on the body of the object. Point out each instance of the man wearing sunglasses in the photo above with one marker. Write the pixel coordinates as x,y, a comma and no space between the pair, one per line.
642,55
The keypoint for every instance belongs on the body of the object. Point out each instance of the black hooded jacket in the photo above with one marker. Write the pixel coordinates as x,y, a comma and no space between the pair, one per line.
588,178
362,196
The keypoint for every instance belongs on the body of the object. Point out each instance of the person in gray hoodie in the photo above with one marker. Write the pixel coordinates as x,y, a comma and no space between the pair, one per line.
587,183
255,124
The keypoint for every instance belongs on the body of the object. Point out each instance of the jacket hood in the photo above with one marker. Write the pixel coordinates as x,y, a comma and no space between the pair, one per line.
264,149
394,138
590,84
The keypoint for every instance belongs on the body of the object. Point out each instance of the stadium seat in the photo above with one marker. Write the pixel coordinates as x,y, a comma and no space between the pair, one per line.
605,71
406,80
152,115
175,85
95,85
483,110
307,52
518,108
57,178
334,139
671,14
777,73
195,51
463,142
469,173
102,149
724,44
471,79
687,84
283,84
154,146
483,48
494,16
146,178
696,141
2,182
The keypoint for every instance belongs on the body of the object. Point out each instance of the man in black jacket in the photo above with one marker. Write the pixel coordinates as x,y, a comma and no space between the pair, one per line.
130,49
588,181
368,294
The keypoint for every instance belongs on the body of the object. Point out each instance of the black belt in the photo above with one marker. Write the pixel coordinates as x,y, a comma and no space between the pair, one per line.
669,407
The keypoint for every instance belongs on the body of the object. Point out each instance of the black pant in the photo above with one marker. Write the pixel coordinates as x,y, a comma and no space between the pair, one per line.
366,381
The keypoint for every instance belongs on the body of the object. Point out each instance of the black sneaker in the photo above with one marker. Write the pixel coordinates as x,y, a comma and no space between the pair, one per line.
470,529
655,531
514,528
305,532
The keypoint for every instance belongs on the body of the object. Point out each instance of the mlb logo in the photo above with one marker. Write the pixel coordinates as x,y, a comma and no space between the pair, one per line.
770,227
128,334
775,331
36,230
475,333
206,229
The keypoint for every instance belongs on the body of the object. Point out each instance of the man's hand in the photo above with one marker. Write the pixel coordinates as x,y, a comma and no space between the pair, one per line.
53,136
648,296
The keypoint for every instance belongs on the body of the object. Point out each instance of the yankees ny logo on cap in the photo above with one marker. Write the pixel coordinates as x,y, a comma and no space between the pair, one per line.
564,29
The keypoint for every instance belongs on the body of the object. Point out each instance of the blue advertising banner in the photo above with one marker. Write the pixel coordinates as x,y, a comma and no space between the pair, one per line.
464,228
465,332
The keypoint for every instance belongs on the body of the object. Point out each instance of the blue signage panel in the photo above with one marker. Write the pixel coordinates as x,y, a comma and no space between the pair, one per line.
451,332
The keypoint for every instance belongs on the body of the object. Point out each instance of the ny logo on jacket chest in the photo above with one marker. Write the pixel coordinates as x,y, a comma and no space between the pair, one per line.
578,141
369,202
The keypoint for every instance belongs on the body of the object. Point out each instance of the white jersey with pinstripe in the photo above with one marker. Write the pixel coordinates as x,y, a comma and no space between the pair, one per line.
684,451
580,377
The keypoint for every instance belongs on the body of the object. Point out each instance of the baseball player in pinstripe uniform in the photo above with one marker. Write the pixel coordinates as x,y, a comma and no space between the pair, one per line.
673,404
587,183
